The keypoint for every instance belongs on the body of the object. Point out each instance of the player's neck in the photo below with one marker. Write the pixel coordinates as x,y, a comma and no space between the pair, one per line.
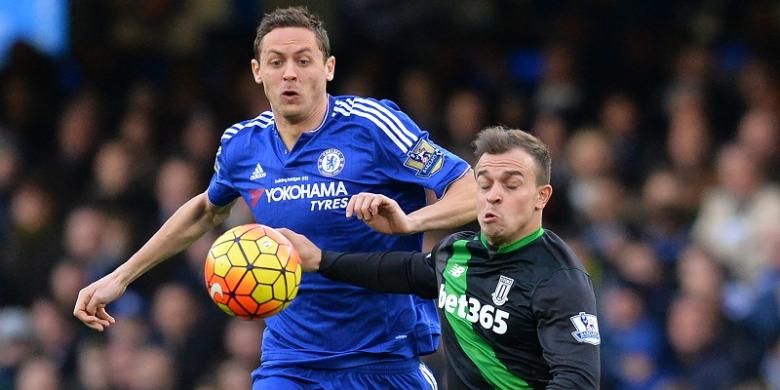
291,129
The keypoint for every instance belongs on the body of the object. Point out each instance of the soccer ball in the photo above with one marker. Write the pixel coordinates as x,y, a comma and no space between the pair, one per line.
252,271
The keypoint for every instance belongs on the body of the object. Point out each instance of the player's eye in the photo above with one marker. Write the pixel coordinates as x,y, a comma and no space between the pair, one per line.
512,184
275,62
304,61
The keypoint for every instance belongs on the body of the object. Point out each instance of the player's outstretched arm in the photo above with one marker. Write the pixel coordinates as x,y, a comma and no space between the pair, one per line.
391,272
187,224
384,215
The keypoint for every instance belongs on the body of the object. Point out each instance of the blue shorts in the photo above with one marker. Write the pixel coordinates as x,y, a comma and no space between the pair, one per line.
407,375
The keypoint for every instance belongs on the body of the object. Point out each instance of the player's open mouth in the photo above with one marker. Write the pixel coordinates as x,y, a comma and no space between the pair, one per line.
289,94
489,217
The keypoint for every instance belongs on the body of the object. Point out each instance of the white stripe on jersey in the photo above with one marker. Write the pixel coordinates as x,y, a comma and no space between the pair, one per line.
263,120
390,115
428,375
382,126
340,110
390,125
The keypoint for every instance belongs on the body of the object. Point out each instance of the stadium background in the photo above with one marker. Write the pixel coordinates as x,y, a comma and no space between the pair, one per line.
662,117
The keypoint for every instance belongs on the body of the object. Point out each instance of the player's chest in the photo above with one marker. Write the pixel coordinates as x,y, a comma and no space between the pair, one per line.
496,301
321,176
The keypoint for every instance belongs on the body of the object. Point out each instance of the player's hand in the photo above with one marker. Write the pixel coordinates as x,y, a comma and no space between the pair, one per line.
380,213
310,254
92,300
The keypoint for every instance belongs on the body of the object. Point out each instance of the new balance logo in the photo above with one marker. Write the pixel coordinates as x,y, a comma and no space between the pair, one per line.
457,270
259,173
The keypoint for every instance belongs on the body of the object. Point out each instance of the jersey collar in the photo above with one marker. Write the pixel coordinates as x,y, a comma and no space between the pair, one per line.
515,245
305,136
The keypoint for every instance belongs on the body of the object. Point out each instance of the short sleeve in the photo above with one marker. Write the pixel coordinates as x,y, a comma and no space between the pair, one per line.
409,153
221,190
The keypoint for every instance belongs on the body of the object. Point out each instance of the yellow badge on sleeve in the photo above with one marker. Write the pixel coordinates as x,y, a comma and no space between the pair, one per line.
426,158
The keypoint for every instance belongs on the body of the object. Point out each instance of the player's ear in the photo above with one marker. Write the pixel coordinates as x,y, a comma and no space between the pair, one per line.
543,196
330,68
256,71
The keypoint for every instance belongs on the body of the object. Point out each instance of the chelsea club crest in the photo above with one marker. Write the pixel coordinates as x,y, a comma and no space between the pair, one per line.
331,162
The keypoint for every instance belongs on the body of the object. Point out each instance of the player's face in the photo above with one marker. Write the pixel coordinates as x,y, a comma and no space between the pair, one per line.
509,202
293,73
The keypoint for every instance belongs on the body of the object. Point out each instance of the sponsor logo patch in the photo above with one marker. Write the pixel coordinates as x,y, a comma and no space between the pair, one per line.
426,158
586,328
330,162
501,292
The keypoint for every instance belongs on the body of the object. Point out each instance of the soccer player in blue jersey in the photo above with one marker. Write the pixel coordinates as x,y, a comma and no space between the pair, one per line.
349,173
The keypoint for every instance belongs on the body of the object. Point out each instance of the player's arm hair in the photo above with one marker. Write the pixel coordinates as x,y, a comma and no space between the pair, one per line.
455,208
190,222
391,272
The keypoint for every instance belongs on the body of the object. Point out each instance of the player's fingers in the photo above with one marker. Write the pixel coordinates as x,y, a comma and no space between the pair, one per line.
351,206
375,204
81,301
92,304
92,321
103,314
359,207
295,238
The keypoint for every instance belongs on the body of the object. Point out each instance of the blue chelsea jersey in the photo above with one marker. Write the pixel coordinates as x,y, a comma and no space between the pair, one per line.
363,145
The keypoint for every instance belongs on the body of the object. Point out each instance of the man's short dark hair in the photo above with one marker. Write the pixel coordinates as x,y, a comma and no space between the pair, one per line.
499,139
293,17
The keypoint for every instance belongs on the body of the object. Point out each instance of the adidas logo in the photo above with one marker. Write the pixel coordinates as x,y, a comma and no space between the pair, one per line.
457,270
259,173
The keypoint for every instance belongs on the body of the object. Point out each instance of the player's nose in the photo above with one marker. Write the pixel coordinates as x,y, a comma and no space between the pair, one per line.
289,73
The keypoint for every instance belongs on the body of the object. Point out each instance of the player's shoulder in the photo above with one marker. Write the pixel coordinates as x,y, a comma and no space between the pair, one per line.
383,120
451,239
554,255
259,123
348,104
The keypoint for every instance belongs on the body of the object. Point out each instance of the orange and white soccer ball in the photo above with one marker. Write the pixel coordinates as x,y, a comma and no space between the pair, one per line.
252,271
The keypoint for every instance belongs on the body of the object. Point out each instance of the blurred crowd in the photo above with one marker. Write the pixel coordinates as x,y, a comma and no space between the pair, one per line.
663,119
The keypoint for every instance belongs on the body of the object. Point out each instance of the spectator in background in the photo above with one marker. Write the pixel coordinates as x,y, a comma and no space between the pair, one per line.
632,347
552,130
65,281
116,186
759,132
198,141
757,84
177,182
152,369
737,215
93,372
688,148
700,345
33,245
38,373
464,117
559,91
700,276
9,174
619,118
55,333
78,137
418,96
588,159
17,342
178,323
663,216
241,339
